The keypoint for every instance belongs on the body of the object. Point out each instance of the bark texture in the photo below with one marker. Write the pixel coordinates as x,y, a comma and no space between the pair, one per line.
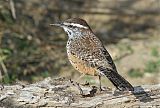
61,92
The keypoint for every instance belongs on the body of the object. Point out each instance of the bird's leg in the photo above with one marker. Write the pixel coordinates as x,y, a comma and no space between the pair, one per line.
100,87
80,77
77,85
80,89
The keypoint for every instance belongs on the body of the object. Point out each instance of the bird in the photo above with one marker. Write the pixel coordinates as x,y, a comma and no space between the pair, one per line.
88,55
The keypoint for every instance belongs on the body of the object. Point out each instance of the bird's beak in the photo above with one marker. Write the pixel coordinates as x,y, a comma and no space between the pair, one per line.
57,24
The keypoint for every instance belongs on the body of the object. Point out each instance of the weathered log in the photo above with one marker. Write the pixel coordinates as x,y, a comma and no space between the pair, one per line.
61,92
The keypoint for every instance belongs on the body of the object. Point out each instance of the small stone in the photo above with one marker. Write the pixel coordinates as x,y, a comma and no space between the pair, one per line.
3,97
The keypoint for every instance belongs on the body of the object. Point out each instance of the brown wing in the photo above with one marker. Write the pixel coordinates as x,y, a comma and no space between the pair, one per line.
108,58
91,50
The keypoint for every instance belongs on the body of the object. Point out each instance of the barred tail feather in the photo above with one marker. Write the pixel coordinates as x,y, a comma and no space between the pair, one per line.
118,81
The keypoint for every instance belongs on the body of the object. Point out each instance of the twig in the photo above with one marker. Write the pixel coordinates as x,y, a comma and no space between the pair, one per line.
0,56
4,68
1,75
13,11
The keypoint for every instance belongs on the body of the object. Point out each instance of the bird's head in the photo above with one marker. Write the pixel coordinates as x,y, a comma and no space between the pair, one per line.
73,26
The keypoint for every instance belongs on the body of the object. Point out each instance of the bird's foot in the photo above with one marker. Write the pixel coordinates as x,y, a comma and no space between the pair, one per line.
102,89
76,85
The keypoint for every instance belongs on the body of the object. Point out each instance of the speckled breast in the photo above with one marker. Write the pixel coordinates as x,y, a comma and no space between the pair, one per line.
78,63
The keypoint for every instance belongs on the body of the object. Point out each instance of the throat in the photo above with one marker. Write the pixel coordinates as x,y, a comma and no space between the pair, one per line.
73,33
69,32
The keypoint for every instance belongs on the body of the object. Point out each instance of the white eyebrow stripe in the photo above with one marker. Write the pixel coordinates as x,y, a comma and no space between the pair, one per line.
74,24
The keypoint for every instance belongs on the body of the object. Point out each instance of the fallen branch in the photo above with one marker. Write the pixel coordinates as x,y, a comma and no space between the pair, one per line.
61,93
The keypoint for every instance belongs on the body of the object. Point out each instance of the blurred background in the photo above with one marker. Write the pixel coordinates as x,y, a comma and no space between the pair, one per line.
31,50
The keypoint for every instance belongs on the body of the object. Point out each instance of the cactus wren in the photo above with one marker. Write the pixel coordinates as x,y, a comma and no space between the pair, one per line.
88,55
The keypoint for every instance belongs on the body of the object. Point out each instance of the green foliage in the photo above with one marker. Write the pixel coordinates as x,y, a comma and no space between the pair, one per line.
41,75
88,78
5,16
125,47
45,74
6,79
22,43
154,52
130,49
9,79
4,53
135,73
152,66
